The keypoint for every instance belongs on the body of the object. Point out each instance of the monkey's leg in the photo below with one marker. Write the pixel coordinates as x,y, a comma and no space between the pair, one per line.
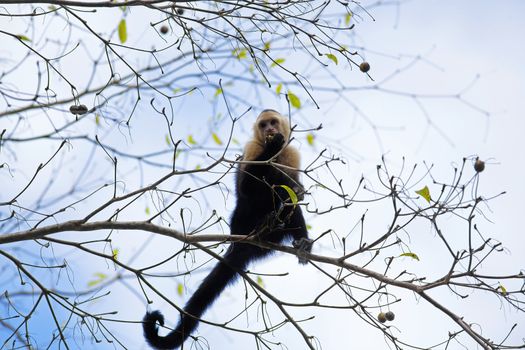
299,233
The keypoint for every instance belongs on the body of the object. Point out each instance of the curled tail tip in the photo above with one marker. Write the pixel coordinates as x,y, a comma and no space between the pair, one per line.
153,317
150,328
173,340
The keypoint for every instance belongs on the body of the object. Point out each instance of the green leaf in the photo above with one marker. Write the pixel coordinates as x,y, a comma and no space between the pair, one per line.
235,141
198,167
308,227
122,31
332,57
217,92
348,17
168,140
279,88
266,46
278,61
239,54
93,283
310,138
180,288
503,289
97,119
114,252
191,140
23,37
260,281
291,193
216,139
294,100
425,193
147,210
177,90
411,255
100,277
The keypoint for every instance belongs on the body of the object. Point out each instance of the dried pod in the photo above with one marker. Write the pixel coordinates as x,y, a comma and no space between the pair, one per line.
364,67
381,317
78,109
479,165
82,109
73,109
164,29
390,316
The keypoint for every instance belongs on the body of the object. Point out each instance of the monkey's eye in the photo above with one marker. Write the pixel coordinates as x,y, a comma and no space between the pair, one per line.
273,122
262,125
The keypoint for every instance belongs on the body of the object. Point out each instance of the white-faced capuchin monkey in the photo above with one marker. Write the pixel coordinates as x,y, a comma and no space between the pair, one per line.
263,210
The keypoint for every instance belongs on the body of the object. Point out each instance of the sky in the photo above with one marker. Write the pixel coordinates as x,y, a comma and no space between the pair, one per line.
458,42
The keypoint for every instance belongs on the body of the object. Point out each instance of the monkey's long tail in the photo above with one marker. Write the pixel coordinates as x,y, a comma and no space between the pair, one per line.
211,287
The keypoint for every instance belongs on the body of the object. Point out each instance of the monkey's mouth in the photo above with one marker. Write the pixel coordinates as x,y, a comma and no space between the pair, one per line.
270,136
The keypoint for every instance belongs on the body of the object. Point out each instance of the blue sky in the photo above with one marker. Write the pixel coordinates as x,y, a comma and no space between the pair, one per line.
457,41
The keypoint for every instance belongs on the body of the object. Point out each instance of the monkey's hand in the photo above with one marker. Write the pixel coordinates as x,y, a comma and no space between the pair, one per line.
274,143
269,138
303,245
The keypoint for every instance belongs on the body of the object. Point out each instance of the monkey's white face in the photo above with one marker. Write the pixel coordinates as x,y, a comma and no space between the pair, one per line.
270,123
269,127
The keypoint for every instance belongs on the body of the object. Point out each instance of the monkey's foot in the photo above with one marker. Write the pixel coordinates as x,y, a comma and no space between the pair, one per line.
303,245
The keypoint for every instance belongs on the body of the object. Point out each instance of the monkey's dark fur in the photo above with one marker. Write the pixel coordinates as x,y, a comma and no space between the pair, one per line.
259,212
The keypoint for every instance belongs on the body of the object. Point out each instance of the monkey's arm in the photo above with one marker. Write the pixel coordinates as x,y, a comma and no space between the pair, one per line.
254,179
